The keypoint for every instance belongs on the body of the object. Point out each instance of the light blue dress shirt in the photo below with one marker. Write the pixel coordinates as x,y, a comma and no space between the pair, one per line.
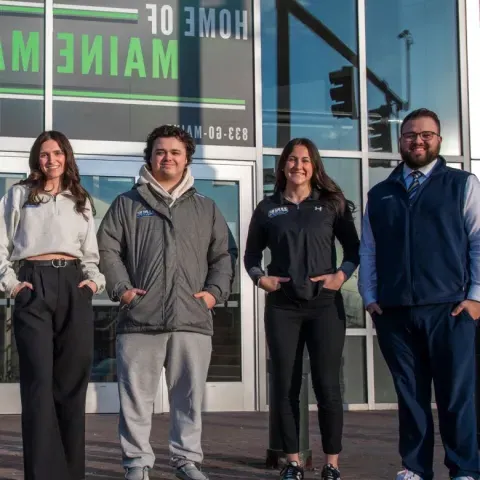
367,275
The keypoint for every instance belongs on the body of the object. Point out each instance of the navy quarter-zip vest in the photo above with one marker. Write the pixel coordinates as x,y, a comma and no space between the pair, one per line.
422,247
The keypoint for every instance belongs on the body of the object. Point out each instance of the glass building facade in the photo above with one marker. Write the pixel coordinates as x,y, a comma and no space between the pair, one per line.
244,76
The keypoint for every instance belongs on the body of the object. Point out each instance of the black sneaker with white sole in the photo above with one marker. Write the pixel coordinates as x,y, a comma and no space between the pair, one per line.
292,471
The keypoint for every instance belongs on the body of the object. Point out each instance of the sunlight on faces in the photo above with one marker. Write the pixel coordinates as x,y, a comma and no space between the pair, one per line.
298,167
418,152
169,159
52,160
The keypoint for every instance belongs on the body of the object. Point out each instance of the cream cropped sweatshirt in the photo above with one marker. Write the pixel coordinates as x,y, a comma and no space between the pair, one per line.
53,226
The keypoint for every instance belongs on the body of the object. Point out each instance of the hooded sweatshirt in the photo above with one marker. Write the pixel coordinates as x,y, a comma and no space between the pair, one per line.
146,177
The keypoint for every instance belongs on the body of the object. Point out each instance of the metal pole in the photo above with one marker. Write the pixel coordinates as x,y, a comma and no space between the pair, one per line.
407,36
409,78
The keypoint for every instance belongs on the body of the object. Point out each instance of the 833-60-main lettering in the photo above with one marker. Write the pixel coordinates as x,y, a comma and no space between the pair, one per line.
217,132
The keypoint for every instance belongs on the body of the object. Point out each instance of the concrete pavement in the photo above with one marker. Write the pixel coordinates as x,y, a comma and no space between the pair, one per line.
234,445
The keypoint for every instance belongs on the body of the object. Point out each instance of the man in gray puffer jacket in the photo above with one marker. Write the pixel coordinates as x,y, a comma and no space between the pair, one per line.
164,250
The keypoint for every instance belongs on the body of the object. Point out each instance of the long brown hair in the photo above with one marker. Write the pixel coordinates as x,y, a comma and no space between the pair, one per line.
70,178
329,190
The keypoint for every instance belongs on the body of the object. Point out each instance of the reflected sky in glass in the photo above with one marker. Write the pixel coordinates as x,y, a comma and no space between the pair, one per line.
434,73
311,61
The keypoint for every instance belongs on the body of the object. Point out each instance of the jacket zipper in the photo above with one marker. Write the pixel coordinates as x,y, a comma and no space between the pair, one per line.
412,286
410,242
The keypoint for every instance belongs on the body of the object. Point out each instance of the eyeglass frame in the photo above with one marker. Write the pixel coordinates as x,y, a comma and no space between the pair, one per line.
403,136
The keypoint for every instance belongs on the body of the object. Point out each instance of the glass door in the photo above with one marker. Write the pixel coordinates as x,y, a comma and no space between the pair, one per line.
105,180
231,376
12,169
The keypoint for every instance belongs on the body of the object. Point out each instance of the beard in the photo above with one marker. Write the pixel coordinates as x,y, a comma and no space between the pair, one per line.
415,161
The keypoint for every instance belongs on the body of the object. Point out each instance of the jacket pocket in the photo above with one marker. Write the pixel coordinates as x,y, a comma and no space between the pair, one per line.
135,301
192,312
203,304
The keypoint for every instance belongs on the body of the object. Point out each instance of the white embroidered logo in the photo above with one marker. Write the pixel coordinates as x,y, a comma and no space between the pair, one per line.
277,211
145,213
319,208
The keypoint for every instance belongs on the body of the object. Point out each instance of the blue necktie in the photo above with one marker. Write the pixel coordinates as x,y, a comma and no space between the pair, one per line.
413,188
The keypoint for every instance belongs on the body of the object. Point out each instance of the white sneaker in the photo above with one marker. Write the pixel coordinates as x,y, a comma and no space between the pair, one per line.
462,478
136,473
189,471
408,475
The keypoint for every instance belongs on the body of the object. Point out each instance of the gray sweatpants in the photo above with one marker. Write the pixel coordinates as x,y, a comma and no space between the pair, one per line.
140,360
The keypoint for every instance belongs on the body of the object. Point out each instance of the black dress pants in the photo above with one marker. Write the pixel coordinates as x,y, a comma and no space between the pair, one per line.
320,325
53,326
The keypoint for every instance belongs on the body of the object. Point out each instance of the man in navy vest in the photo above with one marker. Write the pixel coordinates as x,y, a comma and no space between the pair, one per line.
420,280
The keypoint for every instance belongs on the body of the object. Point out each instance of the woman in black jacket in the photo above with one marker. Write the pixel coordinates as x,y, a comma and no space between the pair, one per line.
299,224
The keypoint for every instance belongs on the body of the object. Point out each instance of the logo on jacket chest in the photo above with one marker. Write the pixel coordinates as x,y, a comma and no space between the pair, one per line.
145,213
277,211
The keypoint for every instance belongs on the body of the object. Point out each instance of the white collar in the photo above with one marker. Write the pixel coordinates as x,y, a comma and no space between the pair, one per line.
426,170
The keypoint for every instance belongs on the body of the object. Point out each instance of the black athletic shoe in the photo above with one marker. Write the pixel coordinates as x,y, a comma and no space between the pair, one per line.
329,472
292,471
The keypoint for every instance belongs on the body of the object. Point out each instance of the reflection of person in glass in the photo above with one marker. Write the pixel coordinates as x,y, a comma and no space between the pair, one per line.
420,280
48,264
299,224
165,253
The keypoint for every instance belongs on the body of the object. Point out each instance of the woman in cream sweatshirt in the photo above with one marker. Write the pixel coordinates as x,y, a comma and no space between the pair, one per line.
49,265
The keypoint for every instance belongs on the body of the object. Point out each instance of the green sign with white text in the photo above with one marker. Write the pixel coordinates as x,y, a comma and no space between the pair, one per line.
119,71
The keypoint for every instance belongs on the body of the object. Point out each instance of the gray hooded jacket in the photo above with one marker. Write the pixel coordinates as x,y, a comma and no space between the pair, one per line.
172,245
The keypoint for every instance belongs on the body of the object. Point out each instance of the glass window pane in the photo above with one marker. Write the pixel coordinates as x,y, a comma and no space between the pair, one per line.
104,368
226,363
353,376
9,367
476,167
308,49
458,166
379,170
21,69
354,372
402,49
103,191
7,180
269,164
346,172
9,372
127,67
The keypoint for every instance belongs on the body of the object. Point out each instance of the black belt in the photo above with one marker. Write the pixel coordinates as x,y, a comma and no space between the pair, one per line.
56,263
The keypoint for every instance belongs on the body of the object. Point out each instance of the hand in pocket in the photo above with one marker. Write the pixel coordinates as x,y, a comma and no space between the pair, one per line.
20,287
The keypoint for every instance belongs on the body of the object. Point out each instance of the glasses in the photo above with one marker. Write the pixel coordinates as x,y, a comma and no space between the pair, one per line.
426,136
